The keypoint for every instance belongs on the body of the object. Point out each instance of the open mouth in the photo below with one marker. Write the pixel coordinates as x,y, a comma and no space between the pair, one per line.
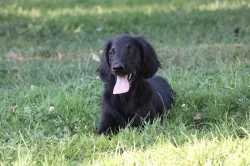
131,76
123,83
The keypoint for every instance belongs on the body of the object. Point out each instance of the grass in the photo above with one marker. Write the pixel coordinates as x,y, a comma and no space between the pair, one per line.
50,94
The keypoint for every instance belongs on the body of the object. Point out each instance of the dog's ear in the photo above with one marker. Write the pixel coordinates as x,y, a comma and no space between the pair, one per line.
103,68
150,62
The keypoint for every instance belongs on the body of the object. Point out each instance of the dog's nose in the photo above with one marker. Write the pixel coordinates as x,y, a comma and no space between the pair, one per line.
118,68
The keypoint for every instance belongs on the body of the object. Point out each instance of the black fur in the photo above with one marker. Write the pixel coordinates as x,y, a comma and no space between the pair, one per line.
148,94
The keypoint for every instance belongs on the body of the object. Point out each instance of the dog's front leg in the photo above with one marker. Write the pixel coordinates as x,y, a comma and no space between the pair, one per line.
110,121
146,113
107,124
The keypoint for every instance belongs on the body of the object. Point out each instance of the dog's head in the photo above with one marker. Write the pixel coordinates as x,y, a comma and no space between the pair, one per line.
126,58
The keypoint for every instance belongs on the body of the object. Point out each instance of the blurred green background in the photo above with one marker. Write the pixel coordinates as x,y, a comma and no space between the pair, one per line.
69,25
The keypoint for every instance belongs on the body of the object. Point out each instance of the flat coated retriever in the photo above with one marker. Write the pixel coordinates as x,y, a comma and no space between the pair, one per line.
132,93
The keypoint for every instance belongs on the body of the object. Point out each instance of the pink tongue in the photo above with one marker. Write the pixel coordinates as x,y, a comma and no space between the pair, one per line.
122,85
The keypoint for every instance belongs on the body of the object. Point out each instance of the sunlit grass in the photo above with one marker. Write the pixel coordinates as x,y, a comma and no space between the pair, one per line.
81,11
225,5
197,152
98,9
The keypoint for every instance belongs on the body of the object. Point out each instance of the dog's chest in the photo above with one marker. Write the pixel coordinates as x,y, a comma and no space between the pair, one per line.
126,103
129,103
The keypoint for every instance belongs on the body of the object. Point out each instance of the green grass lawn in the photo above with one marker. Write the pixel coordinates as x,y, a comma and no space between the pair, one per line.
50,94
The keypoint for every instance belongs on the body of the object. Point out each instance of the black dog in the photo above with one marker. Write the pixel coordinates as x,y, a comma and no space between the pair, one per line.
130,94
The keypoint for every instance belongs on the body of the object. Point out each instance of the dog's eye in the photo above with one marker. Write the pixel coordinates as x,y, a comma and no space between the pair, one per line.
111,52
131,50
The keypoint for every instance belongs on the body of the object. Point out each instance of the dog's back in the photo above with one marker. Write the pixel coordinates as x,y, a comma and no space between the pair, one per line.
163,92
